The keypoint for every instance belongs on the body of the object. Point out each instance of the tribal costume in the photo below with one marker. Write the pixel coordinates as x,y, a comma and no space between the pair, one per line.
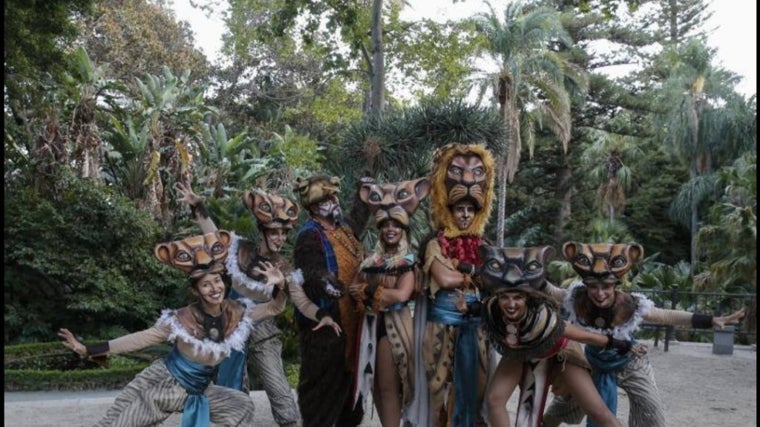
454,348
181,381
329,258
265,348
384,301
597,263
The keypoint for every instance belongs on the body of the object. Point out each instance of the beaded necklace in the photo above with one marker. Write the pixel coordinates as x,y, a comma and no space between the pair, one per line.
345,238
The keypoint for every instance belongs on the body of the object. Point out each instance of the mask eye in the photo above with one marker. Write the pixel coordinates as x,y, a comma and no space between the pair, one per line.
374,197
183,256
291,212
533,266
217,248
265,207
402,194
582,260
455,170
479,171
618,261
494,265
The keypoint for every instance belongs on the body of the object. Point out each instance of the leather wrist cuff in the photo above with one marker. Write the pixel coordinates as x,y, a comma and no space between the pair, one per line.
98,349
701,321
474,308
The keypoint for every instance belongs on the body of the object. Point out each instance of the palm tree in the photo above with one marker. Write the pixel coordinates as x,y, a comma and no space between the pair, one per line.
529,84
606,159
697,126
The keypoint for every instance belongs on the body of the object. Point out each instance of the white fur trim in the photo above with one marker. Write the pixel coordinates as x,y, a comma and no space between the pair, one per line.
296,278
238,276
235,341
622,332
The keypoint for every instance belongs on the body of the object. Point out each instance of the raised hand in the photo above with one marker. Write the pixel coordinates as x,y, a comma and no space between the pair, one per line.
733,318
328,321
71,342
273,274
188,196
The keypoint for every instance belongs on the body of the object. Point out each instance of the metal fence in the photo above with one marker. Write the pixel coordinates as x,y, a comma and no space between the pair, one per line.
715,303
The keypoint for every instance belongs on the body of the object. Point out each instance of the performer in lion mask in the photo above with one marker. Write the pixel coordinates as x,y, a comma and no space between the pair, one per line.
454,351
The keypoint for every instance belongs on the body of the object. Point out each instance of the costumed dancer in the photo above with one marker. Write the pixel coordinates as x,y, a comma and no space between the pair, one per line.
525,328
454,347
328,252
385,284
595,303
203,334
275,217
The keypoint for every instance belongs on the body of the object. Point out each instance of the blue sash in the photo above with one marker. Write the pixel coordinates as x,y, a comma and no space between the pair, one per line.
230,372
330,263
606,363
466,356
194,378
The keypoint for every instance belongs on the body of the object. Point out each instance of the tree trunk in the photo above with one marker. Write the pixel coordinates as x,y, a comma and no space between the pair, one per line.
566,196
377,97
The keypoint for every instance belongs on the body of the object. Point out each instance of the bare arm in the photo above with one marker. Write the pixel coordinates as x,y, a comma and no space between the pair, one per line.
445,276
197,207
696,321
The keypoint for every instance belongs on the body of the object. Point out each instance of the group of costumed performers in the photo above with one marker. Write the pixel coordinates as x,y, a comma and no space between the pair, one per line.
275,217
203,333
595,302
538,349
383,288
328,252
454,348
358,334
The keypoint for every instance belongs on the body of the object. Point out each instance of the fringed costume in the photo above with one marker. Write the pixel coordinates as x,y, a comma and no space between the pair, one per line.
387,281
454,348
265,348
182,380
329,258
597,263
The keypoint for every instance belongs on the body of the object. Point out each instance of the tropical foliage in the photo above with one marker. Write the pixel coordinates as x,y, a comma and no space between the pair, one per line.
108,105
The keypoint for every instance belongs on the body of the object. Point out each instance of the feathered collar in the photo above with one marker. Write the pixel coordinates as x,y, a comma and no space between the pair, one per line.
621,320
239,276
186,324
378,262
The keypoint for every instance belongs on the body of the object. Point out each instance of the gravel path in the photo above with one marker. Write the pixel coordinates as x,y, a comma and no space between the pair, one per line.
700,389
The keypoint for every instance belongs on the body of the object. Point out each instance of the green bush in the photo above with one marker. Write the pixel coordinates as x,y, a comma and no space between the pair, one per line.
51,366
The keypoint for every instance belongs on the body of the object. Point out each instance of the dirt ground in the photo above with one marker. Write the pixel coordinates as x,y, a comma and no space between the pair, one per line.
699,389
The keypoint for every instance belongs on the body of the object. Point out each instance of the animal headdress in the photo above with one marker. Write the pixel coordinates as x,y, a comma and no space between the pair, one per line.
196,255
396,201
461,172
316,188
271,211
602,262
514,268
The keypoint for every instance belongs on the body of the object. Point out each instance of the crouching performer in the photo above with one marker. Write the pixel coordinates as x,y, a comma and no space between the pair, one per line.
204,333
538,349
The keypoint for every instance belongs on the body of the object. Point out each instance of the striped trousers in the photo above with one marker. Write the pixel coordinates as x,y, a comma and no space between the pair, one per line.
153,395
637,380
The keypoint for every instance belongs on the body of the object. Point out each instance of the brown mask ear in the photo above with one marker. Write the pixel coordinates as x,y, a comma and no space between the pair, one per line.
364,193
163,253
224,237
300,184
570,250
635,252
422,187
248,200
546,252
